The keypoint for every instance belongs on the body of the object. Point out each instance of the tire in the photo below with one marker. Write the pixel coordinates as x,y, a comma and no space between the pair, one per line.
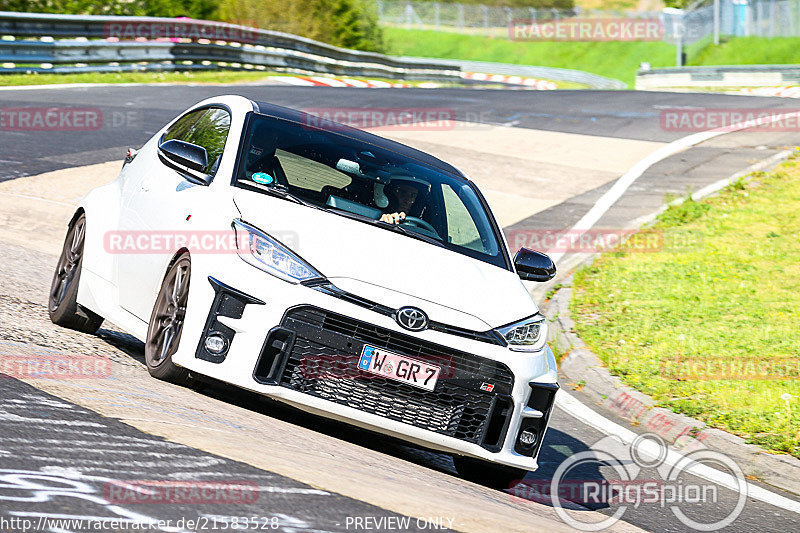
62,304
166,324
486,473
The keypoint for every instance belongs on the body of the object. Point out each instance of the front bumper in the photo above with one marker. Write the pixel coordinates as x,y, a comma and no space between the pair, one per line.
301,346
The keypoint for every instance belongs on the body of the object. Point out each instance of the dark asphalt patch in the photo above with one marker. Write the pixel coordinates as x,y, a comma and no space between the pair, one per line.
59,461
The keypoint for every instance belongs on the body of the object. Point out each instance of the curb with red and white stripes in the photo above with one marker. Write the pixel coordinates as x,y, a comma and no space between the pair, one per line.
531,83
324,81
785,92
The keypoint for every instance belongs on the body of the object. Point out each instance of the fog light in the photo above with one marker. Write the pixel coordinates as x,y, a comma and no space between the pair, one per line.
216,344
527,437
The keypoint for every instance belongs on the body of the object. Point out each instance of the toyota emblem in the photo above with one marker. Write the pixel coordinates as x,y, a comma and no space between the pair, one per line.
412,318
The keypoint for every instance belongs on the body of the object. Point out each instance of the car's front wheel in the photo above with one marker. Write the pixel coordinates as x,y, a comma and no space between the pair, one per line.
166,323
62,305
486,473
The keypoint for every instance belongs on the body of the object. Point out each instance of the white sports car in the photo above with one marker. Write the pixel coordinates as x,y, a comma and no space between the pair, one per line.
343,273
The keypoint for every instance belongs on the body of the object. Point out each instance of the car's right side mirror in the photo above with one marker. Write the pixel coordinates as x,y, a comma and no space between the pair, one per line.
534,266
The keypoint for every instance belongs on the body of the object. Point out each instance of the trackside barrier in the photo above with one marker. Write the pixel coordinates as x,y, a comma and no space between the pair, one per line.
36,42
718,76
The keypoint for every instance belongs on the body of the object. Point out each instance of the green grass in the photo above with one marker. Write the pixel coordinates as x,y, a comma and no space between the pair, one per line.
750,51
708,325
219,76
618,60
611,59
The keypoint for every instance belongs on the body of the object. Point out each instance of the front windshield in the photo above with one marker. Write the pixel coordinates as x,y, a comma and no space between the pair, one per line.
335,172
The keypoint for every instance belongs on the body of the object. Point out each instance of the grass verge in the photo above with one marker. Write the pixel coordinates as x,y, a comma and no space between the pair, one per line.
617,60
750,51
210,76
707,326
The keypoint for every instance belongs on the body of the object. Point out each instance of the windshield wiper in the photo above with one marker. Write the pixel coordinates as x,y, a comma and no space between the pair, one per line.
281,192
412,233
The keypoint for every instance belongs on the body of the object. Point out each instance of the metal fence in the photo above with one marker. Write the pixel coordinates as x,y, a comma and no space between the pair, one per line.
481,19
740,18
763,18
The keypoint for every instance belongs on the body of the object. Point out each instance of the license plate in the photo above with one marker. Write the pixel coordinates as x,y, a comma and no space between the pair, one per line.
399,367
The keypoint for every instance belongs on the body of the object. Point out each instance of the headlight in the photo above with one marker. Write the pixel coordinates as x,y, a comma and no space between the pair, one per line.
527,335
267,254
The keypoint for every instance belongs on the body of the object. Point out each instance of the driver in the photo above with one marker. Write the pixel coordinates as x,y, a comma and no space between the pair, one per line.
404,195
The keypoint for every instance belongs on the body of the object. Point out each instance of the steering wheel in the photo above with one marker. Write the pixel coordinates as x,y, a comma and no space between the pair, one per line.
415,221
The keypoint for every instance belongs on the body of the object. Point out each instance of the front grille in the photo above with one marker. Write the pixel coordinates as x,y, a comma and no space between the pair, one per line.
323,360
332,290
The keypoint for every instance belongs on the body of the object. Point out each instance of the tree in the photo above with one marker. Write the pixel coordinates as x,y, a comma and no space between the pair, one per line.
201,9
346,23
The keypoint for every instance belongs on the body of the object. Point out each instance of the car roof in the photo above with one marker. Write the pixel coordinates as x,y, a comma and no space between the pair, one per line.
300,117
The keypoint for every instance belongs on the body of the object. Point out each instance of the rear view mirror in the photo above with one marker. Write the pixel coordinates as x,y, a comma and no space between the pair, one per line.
181,155
534,266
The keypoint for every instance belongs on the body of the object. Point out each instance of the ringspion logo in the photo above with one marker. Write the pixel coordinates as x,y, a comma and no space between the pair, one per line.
676,490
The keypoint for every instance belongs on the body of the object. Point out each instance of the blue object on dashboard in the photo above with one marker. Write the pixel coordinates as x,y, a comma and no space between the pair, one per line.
263,178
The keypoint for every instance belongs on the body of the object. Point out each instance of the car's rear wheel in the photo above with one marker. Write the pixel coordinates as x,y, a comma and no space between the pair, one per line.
63,306
489,474
166,323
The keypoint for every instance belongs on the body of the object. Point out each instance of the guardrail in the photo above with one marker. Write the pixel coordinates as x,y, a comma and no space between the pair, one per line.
718,76
175,43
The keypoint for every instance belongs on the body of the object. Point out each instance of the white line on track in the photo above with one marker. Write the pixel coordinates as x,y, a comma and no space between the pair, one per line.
622,184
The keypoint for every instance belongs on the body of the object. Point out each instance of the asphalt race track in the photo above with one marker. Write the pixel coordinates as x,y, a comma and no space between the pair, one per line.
57,457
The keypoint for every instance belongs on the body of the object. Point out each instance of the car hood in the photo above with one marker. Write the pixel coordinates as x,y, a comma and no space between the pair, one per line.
391,268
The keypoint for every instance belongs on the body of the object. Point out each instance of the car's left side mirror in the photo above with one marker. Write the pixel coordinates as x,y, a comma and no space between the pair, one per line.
534,266
186,158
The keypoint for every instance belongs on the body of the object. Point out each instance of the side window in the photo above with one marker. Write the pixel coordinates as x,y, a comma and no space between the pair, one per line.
461,229
207,128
